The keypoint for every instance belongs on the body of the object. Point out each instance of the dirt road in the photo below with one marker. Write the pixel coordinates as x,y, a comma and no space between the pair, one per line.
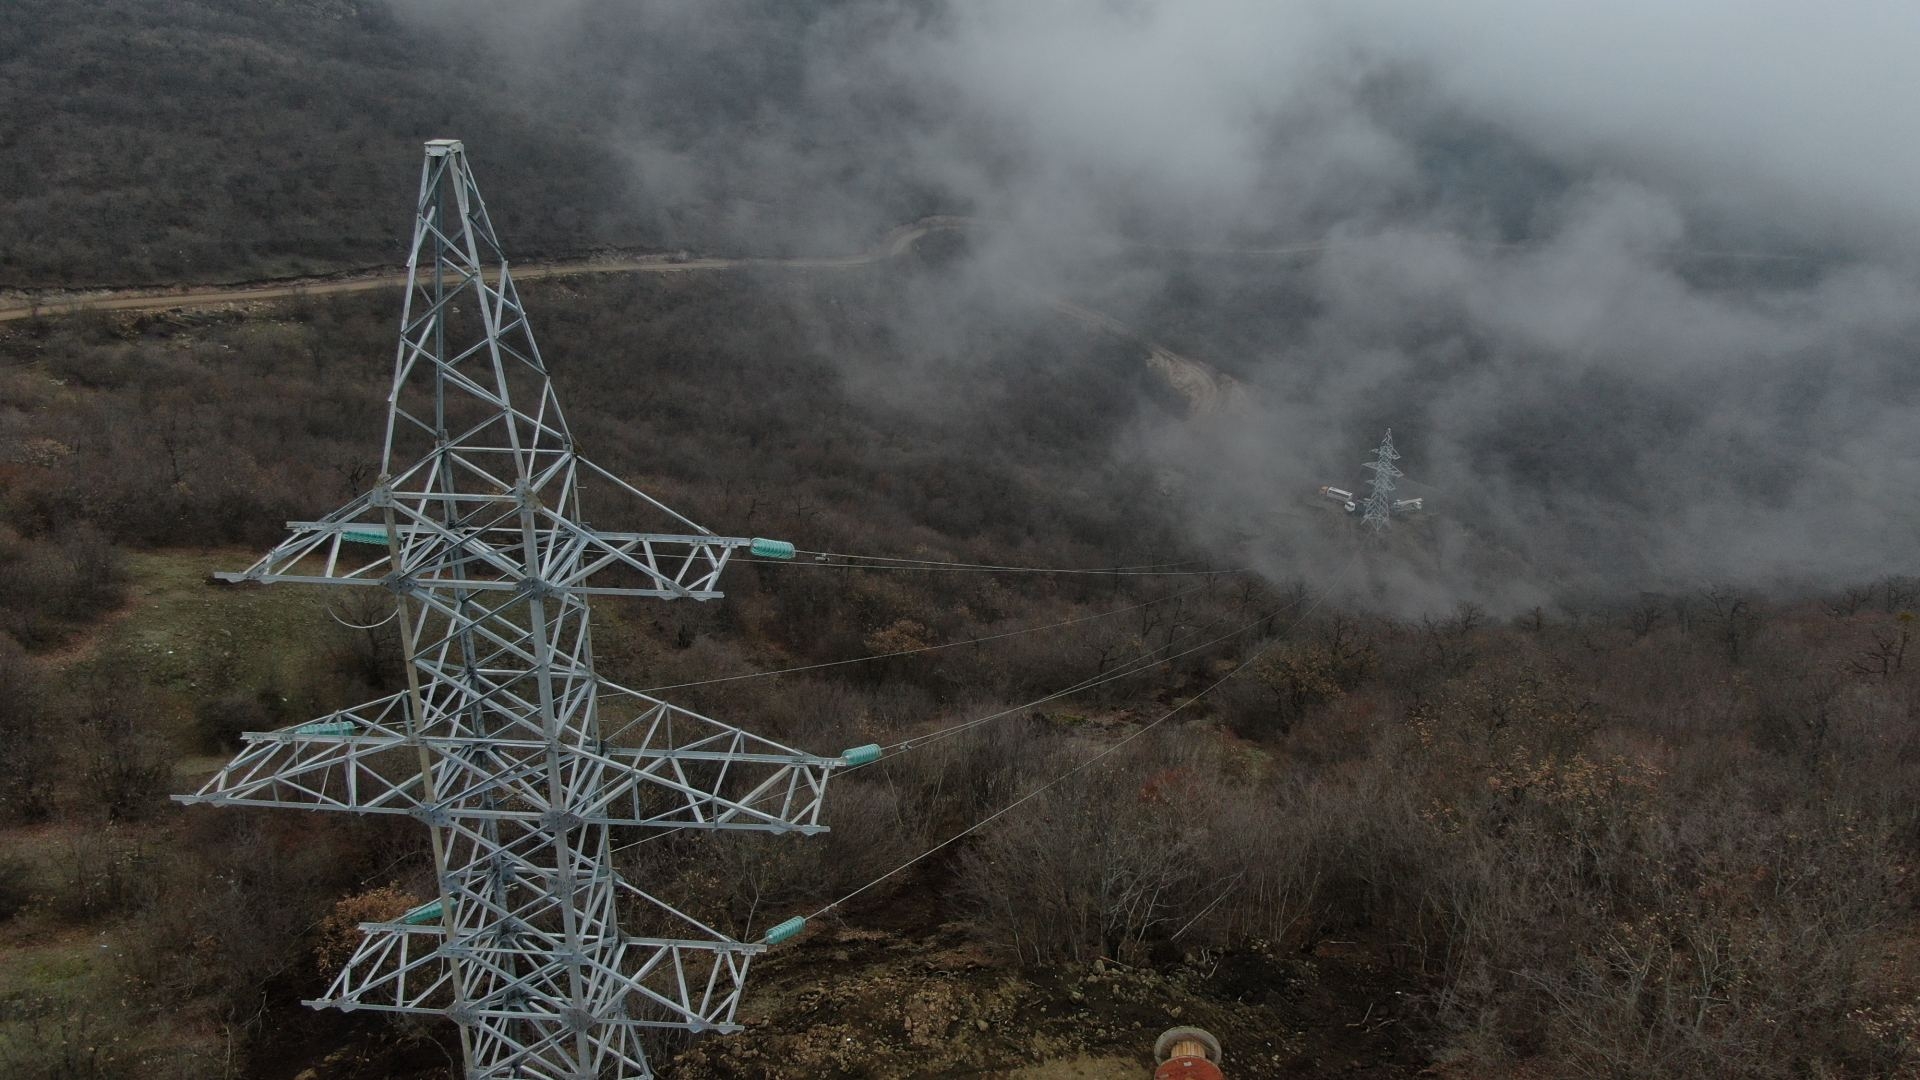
896,243
1205,389
28,304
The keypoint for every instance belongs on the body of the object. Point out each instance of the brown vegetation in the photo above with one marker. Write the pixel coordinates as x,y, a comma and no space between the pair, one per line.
1668,836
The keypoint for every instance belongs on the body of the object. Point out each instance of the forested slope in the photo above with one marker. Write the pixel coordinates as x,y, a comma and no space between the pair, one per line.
1666,833
1662,824
158,141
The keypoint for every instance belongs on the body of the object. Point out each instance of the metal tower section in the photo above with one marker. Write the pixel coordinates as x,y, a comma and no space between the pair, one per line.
517,757
1379,502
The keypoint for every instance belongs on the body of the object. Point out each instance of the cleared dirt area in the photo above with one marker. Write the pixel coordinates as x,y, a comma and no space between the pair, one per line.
1207,390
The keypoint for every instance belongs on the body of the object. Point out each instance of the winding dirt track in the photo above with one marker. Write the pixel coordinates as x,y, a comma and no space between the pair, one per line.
1205,389
27,304
895,244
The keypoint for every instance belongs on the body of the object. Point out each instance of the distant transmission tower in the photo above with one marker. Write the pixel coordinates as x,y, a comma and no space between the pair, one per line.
517,757
1379,502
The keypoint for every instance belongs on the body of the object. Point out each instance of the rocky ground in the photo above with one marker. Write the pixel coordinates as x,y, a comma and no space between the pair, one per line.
881,995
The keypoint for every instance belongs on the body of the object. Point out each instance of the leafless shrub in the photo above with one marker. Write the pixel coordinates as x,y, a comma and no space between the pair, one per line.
339,933
748,881
100,874
56,1042
1849,601
51,584
1887,655
27,769
124,765
1743,955
236,917
1087,872
219,721
1898,593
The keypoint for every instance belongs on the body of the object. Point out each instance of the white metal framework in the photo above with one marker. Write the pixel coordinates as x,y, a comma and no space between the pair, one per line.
1379,505
511,750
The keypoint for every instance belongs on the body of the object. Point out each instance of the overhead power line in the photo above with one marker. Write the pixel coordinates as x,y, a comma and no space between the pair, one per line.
1070,773
917,561
926,648
848,563
1143,662
1136,665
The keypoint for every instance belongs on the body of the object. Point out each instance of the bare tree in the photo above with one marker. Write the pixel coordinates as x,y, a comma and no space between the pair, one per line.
1898,593
1732,618
1647,613
1849,601
1888,654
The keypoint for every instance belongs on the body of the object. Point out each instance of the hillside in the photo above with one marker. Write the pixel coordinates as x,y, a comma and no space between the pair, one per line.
1446,840
1036,328
220,140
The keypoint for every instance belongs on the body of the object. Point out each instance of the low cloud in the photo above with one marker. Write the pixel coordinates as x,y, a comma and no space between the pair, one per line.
1634,285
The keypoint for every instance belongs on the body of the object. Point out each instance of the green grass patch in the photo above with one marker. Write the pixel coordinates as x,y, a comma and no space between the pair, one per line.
190,640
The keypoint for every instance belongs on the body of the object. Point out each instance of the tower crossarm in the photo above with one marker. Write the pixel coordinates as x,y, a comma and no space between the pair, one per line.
689,978
672,767
676,769
655,789
395,968
343,761
683,984
355,547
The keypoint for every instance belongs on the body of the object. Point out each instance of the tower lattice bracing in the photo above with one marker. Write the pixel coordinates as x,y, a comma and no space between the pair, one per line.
517,757
1378,506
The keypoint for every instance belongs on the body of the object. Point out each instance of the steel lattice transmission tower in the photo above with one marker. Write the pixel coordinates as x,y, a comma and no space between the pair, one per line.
1379,504
517,757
